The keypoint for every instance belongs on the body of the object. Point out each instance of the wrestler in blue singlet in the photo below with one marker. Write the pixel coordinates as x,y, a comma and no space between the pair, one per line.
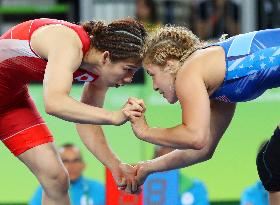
252,65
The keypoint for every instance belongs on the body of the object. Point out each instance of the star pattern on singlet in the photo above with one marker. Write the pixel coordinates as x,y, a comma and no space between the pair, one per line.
251,59
263,59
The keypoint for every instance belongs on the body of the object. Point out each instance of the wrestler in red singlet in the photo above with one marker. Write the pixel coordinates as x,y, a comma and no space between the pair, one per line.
21,126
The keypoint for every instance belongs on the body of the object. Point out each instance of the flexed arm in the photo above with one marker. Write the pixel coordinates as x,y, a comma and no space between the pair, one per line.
221,115
94,139
63,49
193,132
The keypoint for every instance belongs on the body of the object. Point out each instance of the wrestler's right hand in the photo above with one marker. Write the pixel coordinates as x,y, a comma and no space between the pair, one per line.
124,175
132,108
142,171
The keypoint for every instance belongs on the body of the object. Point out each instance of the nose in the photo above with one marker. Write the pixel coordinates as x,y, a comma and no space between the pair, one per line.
155,86
128,78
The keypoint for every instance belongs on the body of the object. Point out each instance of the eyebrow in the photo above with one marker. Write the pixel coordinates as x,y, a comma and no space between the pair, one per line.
133,66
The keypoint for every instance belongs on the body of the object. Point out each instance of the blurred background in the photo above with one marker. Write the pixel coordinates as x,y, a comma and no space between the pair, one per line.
232,168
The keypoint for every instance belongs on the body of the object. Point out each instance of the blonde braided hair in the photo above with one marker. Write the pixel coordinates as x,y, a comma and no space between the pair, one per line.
170,42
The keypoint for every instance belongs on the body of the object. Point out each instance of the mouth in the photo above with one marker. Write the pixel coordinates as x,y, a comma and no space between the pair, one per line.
118,85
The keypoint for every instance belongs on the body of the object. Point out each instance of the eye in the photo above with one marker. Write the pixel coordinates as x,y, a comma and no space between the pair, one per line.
126,68
130,69
150,74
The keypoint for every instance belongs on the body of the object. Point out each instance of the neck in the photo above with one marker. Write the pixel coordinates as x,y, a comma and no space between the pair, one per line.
91,61
92,56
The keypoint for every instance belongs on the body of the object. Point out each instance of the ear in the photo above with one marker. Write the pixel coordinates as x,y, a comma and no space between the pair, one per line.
170,63
105,57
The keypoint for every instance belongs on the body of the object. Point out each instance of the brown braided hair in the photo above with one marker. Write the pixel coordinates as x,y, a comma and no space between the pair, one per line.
122,38
170,42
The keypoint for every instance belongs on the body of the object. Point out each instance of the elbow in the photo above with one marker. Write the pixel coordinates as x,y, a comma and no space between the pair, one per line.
207,153
207,156
51,108
200,141
203,155
54,102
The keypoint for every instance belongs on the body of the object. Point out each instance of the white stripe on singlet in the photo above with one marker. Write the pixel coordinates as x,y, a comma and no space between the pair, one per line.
10,48
30,27
22,131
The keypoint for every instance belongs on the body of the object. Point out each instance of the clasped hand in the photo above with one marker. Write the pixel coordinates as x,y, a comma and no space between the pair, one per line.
132,177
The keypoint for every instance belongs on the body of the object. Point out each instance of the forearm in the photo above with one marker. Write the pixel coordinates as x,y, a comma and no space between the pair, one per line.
177,159
67,108
221,115
94,139
179,137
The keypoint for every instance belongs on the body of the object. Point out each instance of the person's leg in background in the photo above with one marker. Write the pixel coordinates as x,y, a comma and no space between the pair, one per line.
268,164
46,165
274,198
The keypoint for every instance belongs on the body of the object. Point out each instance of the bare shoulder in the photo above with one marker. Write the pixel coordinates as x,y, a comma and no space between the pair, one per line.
50,37
189,74
210,51
208,57
209,64
188,79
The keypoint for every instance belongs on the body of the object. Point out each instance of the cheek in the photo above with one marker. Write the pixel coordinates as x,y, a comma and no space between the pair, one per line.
170,88
119,73
165,85
114,75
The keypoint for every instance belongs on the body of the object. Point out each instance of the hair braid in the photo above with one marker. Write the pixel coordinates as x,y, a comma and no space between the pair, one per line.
170,42
122,38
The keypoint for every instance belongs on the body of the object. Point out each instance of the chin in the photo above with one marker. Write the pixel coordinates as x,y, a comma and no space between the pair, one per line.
172,100
111,85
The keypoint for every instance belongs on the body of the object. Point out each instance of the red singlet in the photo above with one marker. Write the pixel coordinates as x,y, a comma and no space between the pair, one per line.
21,126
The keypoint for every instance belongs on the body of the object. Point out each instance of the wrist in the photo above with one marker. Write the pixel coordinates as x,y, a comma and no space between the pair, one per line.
117,118
148,168
114,165
146,133
113,117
